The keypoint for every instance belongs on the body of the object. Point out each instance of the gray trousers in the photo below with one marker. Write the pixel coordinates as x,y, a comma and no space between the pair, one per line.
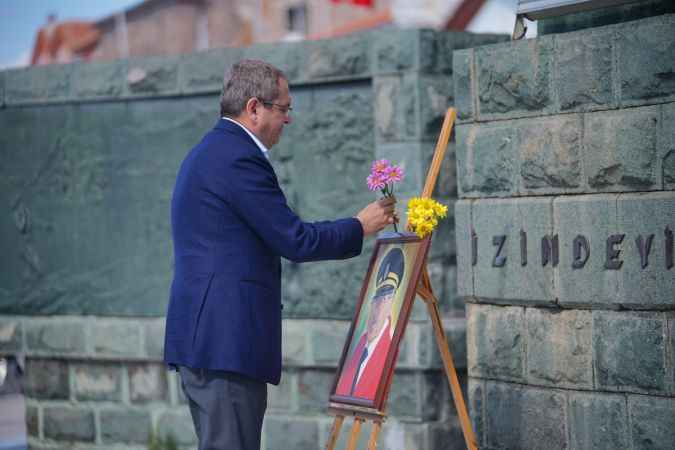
227,408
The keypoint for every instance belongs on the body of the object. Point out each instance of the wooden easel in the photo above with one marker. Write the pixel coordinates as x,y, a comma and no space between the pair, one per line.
425,292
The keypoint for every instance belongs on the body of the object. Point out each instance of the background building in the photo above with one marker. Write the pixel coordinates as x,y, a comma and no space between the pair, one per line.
170,27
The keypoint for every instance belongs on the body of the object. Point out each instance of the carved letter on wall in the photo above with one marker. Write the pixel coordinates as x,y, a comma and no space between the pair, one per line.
500,259
581,251
644,247
474,248
523,248
669,247
549,250
612,260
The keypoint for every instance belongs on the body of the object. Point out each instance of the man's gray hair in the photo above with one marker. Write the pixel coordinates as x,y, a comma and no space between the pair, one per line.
247,79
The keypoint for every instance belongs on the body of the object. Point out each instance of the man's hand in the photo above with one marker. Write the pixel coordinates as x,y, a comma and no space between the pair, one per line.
377,215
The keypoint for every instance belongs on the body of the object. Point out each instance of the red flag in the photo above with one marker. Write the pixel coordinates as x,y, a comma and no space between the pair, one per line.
368,3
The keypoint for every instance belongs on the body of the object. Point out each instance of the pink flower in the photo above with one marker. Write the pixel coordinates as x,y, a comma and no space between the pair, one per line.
393,174
380,166
375,182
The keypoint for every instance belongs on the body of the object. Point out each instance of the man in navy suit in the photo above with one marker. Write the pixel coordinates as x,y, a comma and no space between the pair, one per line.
231,225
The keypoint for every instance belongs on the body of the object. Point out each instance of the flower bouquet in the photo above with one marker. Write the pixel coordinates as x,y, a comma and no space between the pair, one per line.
423,215
382,177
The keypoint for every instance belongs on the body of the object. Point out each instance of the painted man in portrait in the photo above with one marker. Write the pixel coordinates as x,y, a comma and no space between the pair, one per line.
361,373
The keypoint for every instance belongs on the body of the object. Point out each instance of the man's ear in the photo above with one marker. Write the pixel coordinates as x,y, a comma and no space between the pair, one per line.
252,105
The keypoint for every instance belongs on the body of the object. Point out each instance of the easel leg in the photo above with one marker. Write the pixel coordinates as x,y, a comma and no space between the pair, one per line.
354,436
335,432
372,442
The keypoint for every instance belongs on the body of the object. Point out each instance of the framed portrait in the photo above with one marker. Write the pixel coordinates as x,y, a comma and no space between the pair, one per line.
387,295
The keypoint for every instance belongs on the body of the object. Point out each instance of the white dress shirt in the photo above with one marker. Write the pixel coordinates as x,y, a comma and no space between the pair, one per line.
260,145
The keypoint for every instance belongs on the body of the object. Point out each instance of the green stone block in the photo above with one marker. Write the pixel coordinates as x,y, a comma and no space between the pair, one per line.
11,338
47,379
514,79
508,263
667,146
280,397
154,338
646,60
283,433
463,232
327,341
435,97
447,436
178,425
476,405
524,418
341,58
405,435
288,57
38,84
487,160
559,350
295,348
332,140
396,108
97,382
147,383
395,50
408,395
412,157
203,72
495,342
593,218
128,426
444,279
584,78
99,80
671,328
429,355
436,48
629,351
152,76
621,149
64,423
117,339
61,337
33,421
550,154
463,75
117,161
652,422
598,421
314,387
644,215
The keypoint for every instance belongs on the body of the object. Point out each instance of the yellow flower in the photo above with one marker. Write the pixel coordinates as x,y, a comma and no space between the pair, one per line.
423,215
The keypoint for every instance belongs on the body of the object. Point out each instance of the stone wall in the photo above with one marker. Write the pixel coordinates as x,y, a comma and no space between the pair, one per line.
88,157
566,173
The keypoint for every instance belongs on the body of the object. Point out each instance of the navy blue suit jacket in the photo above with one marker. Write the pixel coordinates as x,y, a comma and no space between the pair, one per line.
231,224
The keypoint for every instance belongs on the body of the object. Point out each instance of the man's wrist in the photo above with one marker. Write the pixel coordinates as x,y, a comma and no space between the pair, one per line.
363,225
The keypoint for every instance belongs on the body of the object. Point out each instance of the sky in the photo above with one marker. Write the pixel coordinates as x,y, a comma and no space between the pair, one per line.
21,19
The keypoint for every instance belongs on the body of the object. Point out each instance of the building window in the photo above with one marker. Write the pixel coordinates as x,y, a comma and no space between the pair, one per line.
296,20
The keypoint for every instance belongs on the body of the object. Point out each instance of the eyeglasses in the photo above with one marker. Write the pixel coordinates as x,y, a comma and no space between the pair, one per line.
283,108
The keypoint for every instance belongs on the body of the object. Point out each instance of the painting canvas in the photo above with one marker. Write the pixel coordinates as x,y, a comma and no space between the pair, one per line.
387,294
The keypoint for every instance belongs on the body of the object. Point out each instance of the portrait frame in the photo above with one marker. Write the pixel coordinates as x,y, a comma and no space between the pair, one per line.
345,391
